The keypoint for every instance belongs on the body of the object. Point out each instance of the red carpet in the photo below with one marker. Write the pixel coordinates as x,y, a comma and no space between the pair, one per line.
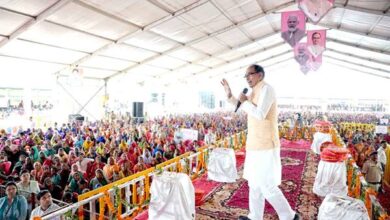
300,144
299,168
384,199
293,165
202,183
228,201
208,186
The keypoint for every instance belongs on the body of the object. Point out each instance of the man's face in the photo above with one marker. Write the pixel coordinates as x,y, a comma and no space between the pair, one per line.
316,39
292,23
252,77
374,157
45,200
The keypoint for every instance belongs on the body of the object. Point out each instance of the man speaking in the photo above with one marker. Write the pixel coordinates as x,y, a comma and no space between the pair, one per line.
262,168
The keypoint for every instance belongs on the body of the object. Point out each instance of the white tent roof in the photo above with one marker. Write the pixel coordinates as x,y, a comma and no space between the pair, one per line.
175,39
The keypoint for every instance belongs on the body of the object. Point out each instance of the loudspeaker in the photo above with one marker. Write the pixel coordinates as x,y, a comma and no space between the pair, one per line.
138,109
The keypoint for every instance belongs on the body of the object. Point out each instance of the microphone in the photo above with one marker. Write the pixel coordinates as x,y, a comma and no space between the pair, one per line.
245,91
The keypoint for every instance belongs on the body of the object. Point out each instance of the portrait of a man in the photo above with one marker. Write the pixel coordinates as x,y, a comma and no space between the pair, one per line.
301,54
315,42
293,27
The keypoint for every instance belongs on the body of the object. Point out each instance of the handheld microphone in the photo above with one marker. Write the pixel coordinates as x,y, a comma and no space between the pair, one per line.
245,91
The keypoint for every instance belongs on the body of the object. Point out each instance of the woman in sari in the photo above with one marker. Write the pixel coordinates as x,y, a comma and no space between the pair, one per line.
13,206
98,181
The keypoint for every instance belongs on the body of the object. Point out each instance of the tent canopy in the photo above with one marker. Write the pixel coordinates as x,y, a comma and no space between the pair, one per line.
175,39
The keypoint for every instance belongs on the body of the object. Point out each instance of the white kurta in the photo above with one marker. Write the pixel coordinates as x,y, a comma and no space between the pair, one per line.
262,167
172,197
221,166
382,158
38,212
318,139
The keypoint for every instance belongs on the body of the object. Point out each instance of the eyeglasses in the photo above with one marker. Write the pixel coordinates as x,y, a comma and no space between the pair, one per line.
249,74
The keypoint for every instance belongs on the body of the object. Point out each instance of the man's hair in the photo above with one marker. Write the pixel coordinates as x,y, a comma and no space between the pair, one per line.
315,34
293,16
42,193
258,69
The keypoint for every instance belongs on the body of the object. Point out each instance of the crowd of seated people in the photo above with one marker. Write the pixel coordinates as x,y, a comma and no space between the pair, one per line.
338,107
356,108
72,159
369,150
292,107
298,125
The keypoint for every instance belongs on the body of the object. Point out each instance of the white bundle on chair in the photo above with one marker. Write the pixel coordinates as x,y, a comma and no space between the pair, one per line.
172,197
336,207
331,178
222,165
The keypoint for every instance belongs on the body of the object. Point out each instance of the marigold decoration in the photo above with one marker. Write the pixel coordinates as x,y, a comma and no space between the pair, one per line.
358,187
367,200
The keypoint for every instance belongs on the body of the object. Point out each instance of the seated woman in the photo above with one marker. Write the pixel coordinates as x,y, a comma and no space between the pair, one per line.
98,181
75,184
28,188
140,166
13,206
108,169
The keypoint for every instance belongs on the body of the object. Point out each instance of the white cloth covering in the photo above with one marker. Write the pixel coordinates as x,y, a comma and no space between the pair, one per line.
222,165
331,178
172,197
336,207
318,139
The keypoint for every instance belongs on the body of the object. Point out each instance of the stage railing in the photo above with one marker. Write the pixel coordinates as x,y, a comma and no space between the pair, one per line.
127,197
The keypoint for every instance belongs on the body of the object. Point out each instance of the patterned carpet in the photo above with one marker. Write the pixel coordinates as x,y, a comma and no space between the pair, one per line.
228,201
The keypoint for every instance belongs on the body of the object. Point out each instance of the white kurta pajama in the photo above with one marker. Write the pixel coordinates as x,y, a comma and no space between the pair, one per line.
262,166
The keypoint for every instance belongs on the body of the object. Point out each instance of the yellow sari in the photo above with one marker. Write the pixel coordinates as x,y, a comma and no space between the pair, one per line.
386,176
